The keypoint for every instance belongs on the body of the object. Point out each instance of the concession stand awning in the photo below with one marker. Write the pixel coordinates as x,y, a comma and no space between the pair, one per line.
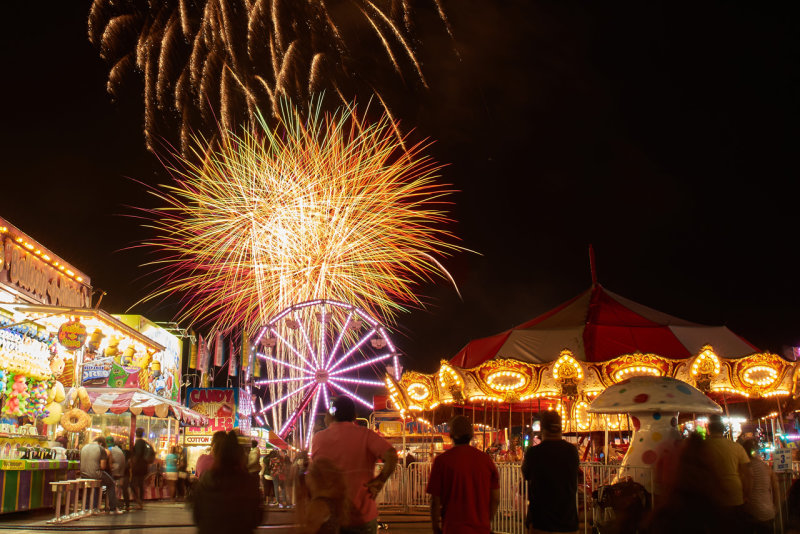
137,401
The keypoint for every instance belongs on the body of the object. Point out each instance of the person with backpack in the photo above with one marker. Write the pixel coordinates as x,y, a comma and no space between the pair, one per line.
142,456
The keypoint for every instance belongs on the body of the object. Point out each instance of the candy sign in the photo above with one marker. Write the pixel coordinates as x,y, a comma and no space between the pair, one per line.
219,404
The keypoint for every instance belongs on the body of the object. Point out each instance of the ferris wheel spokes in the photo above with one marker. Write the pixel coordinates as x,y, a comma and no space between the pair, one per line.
275,360
311,416
352,350
321,349
359,381
352,395
283,380
327,401
360,364
290,394
308,341
330,357
308,362
291,347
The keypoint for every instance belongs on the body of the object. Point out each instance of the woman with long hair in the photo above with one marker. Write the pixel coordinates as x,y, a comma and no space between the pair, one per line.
227,498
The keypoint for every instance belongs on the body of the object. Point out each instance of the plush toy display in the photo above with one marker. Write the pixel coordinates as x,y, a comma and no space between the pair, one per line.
16,397
54,412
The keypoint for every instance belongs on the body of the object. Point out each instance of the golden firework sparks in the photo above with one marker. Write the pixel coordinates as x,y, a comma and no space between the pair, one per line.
324,207
186,52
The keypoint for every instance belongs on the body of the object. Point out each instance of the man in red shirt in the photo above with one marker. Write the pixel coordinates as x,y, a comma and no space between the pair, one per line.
354,450
464,485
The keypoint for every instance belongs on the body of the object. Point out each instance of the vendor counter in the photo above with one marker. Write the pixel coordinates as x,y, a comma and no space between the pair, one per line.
25,484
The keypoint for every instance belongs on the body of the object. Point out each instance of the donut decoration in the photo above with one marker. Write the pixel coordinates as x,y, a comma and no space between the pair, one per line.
16,397
75,420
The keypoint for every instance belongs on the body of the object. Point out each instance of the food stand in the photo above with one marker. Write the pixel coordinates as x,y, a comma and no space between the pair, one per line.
30,364
73,371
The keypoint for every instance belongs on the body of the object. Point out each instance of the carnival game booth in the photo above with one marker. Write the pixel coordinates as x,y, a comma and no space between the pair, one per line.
31,274
117,412
564,358
88,374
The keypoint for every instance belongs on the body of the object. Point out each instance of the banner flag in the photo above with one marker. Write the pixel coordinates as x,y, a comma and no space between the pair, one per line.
233,367
192,351
219,351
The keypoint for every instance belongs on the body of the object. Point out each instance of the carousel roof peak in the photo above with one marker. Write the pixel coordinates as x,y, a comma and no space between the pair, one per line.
598,325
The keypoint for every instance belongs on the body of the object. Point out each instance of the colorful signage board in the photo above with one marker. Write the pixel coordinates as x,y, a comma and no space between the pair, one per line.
105,372
782,460
219,404
33,271
72,335
166,380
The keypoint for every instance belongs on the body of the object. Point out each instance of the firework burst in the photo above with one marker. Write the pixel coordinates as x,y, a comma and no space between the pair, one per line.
204,60
323,207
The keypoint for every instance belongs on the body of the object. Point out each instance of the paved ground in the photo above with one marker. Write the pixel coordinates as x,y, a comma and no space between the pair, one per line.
163,517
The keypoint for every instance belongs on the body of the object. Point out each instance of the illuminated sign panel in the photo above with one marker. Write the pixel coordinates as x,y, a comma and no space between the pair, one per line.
35,272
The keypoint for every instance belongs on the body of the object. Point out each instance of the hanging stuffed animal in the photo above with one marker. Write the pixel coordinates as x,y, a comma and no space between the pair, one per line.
16,397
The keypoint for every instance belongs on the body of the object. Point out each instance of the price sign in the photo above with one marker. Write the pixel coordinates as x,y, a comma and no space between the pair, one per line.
782,460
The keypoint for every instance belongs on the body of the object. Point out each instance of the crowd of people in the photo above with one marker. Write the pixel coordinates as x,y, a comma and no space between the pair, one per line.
122,471
714,485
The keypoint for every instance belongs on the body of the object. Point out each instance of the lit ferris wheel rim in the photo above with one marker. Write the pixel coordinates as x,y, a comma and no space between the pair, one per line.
316,366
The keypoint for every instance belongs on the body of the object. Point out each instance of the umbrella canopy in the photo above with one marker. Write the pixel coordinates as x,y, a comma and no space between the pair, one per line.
599,325
136,401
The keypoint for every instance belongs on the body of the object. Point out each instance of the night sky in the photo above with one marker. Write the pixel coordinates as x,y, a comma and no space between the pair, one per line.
663,133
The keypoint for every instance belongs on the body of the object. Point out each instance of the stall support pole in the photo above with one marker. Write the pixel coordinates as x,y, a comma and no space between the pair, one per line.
132,433
484,426
780,414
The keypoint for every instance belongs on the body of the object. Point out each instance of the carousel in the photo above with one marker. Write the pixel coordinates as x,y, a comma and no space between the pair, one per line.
565,358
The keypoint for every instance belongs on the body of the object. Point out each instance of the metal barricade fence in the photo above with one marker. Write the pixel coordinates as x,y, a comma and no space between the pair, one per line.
417,475
393,493
510,517
405,489
596,477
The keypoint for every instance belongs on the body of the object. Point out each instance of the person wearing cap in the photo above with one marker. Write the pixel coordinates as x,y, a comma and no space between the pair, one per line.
354,450
551,469
464,485
730,463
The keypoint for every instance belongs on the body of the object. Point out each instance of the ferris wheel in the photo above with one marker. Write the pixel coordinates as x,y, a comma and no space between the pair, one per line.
314,351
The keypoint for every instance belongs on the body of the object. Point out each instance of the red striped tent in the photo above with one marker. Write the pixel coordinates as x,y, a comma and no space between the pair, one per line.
599,325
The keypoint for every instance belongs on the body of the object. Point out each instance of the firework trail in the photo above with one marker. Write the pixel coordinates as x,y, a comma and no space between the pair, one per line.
210,61
326,206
